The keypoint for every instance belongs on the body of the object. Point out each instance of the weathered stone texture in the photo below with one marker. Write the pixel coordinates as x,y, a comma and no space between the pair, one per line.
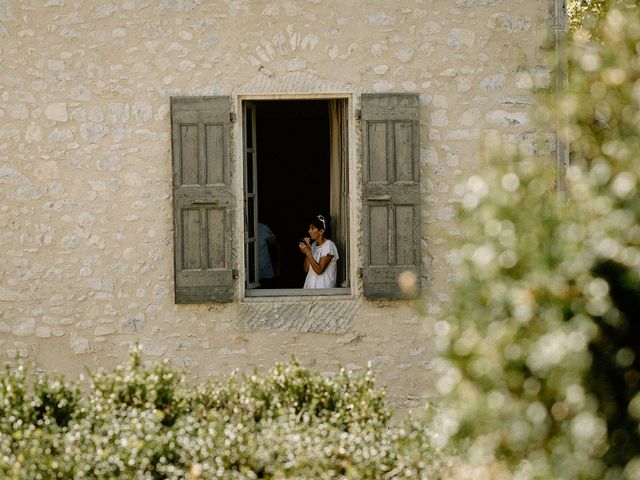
85,166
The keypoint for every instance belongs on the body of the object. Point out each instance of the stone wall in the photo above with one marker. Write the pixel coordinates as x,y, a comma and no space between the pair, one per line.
85,163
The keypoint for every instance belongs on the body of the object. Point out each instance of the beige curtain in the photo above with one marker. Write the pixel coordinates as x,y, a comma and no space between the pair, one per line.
339,201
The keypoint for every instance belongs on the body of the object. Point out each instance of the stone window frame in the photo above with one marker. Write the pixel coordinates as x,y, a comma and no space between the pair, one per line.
353,291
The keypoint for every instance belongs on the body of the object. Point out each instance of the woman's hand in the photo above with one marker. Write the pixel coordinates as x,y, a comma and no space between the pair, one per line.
305,246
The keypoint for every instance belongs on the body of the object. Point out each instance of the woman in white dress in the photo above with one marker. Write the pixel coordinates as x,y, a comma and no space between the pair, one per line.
320,256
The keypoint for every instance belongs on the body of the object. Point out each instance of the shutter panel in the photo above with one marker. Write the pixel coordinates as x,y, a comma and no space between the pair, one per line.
202,199
391,191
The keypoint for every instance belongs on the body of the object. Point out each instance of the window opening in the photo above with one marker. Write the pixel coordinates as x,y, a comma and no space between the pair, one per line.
295,160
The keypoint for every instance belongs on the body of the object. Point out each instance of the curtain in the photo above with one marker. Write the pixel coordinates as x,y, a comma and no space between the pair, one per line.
339,196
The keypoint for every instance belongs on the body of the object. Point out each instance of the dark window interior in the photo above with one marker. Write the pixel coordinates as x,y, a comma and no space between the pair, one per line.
293,176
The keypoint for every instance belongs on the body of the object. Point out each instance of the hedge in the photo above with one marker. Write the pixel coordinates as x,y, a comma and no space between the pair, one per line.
147,422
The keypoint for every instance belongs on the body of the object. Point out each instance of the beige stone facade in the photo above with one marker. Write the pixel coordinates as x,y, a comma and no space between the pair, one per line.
86,241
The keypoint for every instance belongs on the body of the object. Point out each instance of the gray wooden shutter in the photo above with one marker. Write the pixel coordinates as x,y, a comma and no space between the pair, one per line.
391,191
202,199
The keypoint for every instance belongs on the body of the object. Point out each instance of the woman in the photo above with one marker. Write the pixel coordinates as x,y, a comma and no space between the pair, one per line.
320,256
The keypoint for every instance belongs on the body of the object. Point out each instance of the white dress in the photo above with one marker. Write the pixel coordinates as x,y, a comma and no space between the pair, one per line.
326,279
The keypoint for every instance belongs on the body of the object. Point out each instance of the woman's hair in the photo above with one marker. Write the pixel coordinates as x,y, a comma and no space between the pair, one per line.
321,223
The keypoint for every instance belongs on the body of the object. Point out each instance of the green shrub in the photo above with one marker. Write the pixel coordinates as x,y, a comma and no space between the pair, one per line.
146,422
543,339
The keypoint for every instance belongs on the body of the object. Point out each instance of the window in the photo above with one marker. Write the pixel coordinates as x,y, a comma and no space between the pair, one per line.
295,167
295,164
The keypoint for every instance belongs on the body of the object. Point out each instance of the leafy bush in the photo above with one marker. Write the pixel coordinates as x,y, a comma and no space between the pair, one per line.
542,342
142,422
587,14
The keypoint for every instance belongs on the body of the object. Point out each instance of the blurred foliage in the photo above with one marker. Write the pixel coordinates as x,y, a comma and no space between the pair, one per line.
542,373
145,422
586,12
585,15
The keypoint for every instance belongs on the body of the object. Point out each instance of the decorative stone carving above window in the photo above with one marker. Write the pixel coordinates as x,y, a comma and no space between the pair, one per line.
292,84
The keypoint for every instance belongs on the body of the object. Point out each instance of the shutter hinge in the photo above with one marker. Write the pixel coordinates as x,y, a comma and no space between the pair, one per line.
358,114
359,272
233,117
235,273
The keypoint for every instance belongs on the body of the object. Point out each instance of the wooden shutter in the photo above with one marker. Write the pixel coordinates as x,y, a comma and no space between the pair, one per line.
391,191
202,199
